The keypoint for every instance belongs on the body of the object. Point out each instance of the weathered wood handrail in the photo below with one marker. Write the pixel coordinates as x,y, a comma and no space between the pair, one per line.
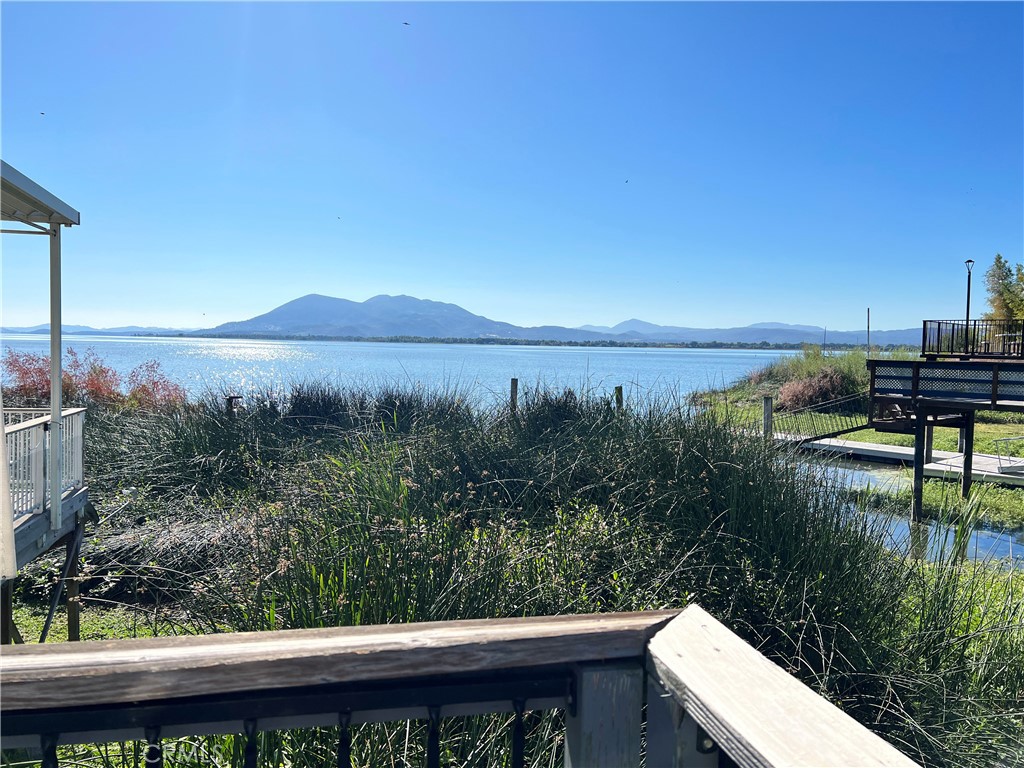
593,666
154,669
752,709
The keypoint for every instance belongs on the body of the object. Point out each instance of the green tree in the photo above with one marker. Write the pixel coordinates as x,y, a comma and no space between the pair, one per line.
1015,296
1005,285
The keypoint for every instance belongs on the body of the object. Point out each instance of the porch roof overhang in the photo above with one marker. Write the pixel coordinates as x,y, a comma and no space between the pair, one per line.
22,199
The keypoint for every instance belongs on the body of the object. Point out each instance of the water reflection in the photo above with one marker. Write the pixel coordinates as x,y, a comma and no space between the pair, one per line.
933,538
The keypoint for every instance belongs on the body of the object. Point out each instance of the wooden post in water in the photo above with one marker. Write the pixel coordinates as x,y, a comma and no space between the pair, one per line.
767,406
618,398
968,432
918,531
513,396
929,444
920,448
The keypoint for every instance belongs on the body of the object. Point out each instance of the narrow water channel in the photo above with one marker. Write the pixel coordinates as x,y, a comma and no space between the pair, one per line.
985,544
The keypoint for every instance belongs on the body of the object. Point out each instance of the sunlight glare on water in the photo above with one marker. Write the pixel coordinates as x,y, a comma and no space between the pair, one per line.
481,371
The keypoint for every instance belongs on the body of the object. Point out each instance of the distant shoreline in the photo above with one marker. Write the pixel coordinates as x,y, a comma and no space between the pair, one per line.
745,345
601,343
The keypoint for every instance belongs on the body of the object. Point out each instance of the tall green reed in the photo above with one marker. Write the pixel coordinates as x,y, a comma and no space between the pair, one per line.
335,507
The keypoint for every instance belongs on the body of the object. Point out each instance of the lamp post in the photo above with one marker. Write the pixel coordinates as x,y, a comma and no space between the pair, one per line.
967,325
970,265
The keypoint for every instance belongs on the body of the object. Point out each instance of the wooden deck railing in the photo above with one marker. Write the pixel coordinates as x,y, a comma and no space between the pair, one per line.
27,434
968,383
708,698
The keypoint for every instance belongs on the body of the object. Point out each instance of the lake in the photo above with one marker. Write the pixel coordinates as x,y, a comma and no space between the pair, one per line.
237,366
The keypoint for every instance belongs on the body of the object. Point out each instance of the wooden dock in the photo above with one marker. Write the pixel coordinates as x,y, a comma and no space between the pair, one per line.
946,465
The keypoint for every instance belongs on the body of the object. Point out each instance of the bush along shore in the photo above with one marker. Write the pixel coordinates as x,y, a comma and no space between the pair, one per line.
337,507
813,378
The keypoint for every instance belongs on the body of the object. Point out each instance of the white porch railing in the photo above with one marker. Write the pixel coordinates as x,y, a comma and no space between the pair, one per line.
27,434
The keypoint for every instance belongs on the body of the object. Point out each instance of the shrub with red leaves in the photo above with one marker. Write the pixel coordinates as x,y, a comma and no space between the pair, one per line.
150,389
87,380
28,375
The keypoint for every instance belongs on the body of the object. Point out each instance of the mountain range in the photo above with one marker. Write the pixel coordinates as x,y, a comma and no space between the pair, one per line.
385,316
388,316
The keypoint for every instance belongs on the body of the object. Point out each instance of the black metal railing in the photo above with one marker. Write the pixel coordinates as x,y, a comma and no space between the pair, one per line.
974,338
817,422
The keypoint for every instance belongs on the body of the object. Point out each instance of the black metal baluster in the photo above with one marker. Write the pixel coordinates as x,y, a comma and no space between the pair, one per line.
48,742
434,738
154,752
251,748
345,741
518,735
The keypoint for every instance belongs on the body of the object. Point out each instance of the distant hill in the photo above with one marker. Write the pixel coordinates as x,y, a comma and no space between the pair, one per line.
388,316
85,330
383,316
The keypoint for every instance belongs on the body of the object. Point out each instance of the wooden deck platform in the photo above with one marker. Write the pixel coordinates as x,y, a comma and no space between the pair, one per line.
27,434
946,465
33,535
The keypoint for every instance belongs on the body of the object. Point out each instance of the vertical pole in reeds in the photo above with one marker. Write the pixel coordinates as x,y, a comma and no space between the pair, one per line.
6,611
918,530
513,396
968,469
920,441
766,416
618,398
73,603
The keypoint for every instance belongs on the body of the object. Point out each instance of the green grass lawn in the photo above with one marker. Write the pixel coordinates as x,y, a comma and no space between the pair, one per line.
985,434
100,620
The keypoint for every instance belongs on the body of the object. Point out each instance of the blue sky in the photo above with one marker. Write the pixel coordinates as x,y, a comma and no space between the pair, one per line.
696,164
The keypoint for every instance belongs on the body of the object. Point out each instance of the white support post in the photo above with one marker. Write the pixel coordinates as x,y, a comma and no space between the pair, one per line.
605,731
56,393
37,469
8,547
